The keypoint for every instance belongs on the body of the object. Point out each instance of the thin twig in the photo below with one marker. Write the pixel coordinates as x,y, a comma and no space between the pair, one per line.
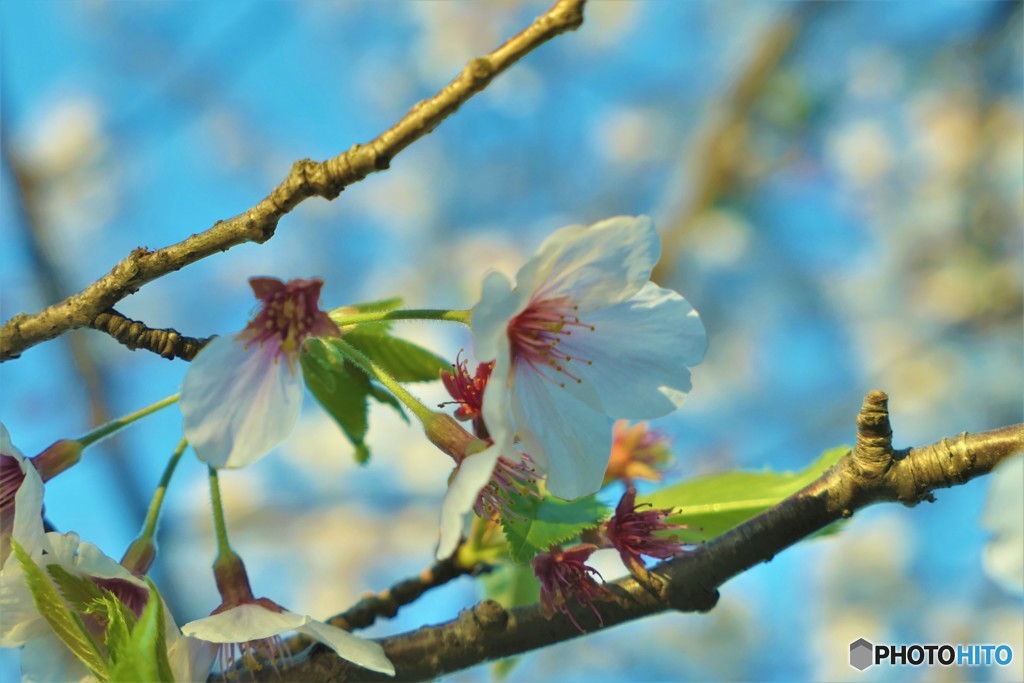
307,179
873,472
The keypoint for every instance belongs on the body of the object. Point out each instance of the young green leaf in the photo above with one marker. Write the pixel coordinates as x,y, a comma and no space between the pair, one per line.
77,590
118,630
536,524
144,658
713,504
341,389
403,360
66,624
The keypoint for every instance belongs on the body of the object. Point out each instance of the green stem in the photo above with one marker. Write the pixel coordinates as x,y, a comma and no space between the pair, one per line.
220,526
457,316
421,411
120,423
153,515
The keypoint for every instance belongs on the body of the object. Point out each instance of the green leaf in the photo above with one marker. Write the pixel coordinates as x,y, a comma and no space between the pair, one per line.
66,624
78,590
537,524
510,585
118,631
713,504
144,657
403,360
341,389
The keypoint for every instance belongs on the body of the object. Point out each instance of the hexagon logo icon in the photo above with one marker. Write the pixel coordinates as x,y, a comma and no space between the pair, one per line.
861,654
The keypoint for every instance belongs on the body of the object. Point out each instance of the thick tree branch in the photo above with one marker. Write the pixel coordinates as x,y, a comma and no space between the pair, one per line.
872,472
307,179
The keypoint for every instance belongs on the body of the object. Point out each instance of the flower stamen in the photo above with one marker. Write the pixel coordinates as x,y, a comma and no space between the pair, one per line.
536,333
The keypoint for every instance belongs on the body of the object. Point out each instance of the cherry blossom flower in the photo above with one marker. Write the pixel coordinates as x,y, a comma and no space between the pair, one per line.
581,338
564,575
637,453
241,395
44,656
632,533
482,482
248,629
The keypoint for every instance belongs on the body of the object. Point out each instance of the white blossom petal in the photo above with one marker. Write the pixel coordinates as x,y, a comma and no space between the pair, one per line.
20,621
471,476
191,659
490,317
564,437
243,623
91,561
597,265
639,354
238,403
27,528
28,510
47,659
365,653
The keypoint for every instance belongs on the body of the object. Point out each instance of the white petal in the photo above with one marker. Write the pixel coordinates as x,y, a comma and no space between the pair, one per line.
562,435
191,659
361,651
62,547
28,510
6,447
90,560
244,623
238,403
472,475
1003,557
639,353
498,303
48,660
20,621
597,265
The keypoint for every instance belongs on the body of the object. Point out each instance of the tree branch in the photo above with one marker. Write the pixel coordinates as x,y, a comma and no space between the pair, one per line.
872,472
166,342
307,179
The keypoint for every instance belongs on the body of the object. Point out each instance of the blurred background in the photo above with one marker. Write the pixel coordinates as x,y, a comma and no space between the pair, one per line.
840,189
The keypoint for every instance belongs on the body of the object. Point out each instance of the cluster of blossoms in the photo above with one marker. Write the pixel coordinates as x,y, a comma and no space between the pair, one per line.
581,339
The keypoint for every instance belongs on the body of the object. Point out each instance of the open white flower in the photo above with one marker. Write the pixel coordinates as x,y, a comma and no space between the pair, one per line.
254,628
241,395
583,337
249,629
44,656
